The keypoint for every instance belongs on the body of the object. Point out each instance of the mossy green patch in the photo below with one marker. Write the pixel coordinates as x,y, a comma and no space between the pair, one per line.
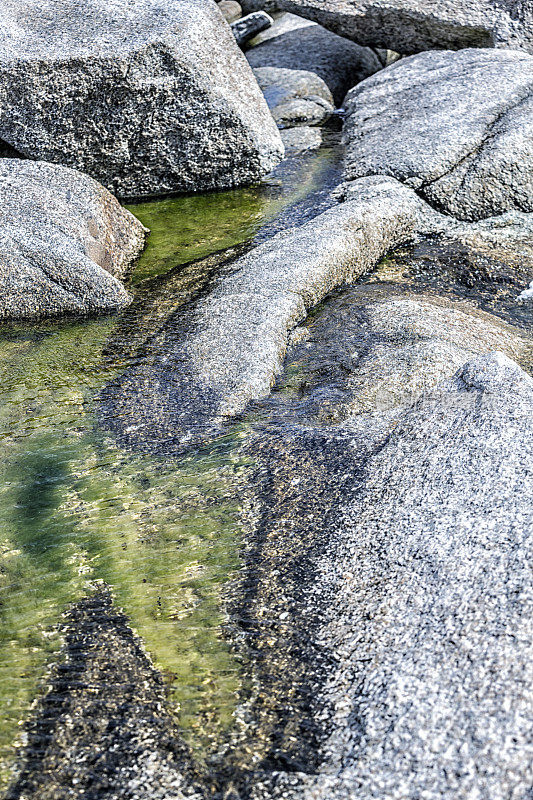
190,227
76,511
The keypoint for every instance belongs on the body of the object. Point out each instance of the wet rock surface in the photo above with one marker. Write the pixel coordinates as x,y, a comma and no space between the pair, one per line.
65,242
378,346
488,276
148,98
229,345
102,729
225,349
432,122
423,641
340,63
300,140
410,26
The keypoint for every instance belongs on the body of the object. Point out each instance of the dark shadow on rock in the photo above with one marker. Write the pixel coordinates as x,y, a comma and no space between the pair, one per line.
8,151
301,478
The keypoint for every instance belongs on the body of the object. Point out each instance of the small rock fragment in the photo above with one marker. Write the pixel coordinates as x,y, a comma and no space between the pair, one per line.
249,26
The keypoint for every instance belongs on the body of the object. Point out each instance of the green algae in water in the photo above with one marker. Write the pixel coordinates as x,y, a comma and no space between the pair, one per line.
190,227
76,511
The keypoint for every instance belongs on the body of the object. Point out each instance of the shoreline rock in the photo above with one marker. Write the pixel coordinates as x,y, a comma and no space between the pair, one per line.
411,597
231,10
385,345
226,349
65,242
230,345
456,127
411,26
301,140
341,64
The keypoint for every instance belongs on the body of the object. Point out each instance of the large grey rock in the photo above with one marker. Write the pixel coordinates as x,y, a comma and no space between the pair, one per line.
295,97
340,63
65,242
420,602
231,344
148,97
409,26
456,127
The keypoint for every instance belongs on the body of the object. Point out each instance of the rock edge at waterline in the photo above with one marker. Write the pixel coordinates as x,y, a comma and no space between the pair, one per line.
65,242
411,593
227,348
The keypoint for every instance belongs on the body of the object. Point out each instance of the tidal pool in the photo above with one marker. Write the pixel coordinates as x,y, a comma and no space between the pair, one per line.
77,511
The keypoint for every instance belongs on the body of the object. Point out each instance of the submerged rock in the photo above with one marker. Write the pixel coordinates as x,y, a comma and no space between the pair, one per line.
295,97
65,242
409,26
414,342
103,728
148,98
506,237
340,63
227,348
456,127
300,140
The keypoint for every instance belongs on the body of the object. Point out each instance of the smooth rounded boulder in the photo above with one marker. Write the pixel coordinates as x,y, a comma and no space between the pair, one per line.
455,127
411,26
65,242
340,63
148,98
295,97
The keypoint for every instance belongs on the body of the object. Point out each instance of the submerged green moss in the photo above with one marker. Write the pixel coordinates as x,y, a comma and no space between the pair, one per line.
189,227
76,511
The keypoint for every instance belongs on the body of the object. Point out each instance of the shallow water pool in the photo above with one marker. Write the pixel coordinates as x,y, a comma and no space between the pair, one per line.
77,511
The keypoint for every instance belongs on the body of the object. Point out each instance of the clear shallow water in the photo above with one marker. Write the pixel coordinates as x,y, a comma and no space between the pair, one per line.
187,228
76,511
